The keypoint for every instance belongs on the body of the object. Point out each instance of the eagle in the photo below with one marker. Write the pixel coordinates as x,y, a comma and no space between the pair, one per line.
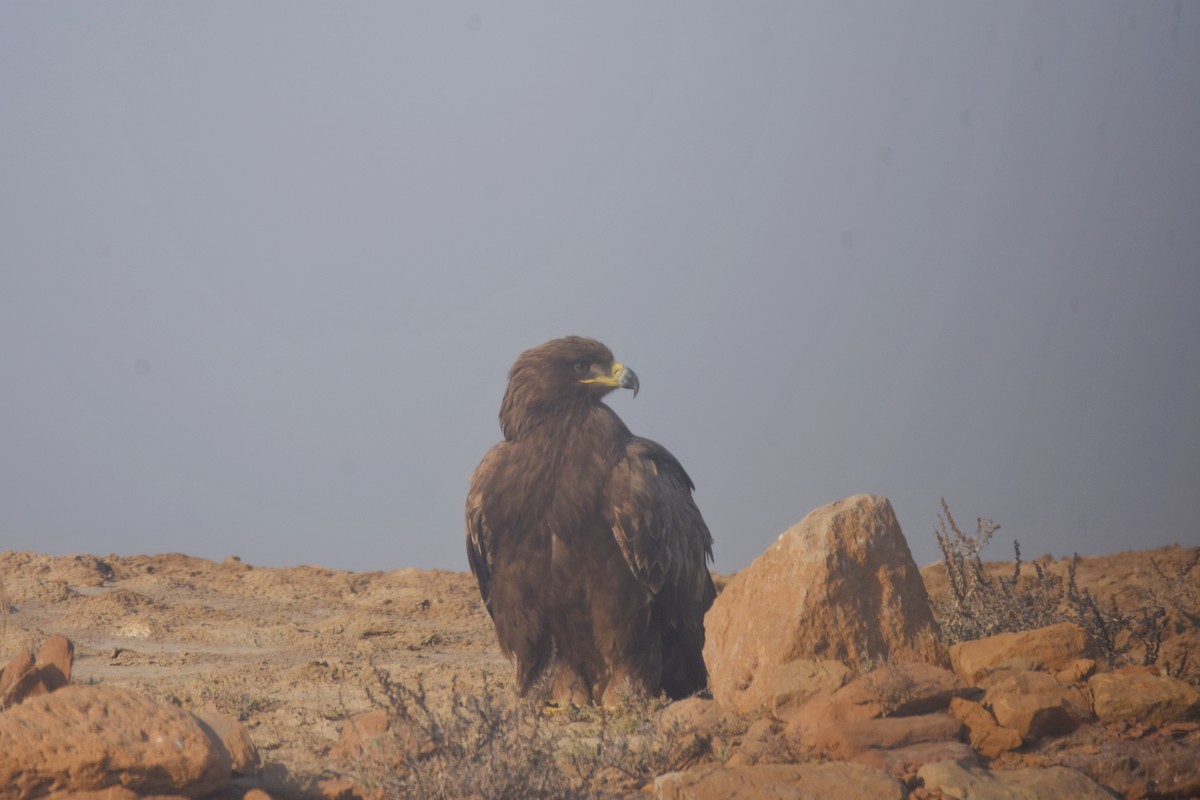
589,551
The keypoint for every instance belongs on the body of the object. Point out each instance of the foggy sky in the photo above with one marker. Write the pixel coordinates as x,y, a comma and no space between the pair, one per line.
264,266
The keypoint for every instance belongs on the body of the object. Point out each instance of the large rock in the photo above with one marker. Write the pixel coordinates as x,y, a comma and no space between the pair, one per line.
1137,696
840,587
89,738
1053,648
779,781
974,783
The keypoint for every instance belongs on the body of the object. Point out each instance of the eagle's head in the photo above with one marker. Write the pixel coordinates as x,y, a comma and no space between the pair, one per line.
558,377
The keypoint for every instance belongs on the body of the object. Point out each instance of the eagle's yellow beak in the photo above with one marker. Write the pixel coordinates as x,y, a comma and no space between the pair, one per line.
620,377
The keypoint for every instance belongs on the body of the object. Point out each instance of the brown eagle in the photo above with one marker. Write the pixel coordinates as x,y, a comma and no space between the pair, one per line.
586,543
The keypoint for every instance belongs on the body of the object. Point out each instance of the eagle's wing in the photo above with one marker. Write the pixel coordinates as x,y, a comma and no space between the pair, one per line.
650,510
479,544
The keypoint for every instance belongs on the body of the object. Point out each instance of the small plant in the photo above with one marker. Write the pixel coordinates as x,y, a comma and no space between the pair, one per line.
487,744
978,604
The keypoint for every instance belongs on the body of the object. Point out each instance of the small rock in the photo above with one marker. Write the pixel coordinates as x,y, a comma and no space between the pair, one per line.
954,780
1053,648
233,736
808,719
784,781
987,737
797,682
18,675
847,739
379,735
904,762
335,789
895,690
1079,670
1034,704
360,733
698,714
1138,696
905,689
54,662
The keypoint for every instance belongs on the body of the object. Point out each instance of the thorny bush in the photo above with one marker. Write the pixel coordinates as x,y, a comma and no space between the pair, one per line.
980,604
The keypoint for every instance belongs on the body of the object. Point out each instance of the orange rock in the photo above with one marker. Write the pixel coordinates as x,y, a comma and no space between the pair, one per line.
905,689
88,738
336,789
805,721
955,780
697,714
1133,695
1053,648
231,735
903,762
987,737
793,781
1034,704
380,736
838,588
54,662
1079,670
358,734
847,739
18,673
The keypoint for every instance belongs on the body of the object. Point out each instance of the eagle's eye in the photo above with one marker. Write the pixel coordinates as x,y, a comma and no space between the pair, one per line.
581,367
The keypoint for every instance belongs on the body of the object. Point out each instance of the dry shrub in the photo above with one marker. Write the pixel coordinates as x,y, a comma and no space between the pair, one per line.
490,744
1184,592
979,604
617,750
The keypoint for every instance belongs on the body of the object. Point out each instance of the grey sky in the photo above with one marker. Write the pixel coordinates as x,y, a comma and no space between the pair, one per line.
265,265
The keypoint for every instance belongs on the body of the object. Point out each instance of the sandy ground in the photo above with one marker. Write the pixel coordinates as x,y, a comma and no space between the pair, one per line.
290,652
293,652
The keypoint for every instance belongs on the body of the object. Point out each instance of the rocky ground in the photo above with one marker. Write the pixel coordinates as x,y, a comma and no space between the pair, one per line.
301,656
